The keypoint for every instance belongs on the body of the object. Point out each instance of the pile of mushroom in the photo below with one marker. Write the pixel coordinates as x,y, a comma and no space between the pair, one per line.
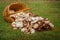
30,23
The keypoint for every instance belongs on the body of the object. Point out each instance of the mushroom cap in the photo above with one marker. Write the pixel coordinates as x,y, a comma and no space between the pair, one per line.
32,31
35,26
23,29
13,24
19,24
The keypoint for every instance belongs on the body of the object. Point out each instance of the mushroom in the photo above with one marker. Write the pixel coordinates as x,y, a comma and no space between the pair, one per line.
25,23
47,27
21,14
11,11
34,19
51,25
24,29
40,18
32,31
19,24
12,15
14,25
46,19
35,26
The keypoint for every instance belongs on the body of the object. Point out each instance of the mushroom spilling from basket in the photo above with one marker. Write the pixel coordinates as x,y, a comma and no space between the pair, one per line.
20,18
29,22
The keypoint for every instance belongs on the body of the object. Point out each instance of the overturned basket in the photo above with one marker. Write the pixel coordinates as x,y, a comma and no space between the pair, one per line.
14,7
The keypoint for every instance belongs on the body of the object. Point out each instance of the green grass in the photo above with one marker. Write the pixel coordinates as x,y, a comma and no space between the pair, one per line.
41,8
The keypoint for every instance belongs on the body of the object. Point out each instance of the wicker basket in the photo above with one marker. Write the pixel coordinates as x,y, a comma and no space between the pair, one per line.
14,7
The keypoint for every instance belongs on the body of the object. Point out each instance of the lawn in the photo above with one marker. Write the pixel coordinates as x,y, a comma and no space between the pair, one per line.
46,9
